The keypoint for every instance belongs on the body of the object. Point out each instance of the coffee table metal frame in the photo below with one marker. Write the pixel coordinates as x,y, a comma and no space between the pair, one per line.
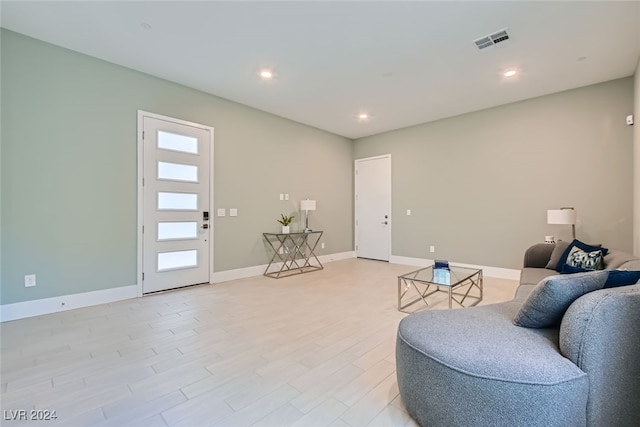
459,278
293,253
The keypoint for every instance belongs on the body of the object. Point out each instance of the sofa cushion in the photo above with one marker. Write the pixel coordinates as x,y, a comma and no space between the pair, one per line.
561,246
618,259
632,264
549,300
482,341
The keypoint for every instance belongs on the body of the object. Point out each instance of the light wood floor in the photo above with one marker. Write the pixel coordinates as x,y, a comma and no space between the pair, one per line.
309,350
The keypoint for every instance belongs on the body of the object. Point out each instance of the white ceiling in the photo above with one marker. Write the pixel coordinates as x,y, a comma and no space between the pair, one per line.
404,63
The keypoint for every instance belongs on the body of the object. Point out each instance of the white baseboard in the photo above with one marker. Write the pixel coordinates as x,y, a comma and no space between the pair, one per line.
21,310
257,270
497,272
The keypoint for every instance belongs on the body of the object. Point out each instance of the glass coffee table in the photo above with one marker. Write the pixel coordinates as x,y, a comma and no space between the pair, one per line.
457,282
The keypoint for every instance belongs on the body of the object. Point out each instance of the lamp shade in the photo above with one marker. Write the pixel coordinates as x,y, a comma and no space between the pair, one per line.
561,216
308,205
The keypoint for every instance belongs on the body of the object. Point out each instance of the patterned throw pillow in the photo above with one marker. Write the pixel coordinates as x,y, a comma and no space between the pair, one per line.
579,260
574,266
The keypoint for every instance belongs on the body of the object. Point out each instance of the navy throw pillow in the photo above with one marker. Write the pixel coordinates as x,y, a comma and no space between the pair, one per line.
622,278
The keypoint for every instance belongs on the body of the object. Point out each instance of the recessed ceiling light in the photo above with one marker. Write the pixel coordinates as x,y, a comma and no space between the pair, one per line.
510,73
145,26
266,74
363,116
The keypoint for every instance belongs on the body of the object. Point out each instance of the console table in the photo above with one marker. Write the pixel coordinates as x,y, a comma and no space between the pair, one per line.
293,253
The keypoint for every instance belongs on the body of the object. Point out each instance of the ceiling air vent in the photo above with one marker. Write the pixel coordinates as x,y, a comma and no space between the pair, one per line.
492,39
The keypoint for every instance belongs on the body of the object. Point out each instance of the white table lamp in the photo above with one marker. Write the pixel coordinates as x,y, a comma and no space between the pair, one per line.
306,206
564,216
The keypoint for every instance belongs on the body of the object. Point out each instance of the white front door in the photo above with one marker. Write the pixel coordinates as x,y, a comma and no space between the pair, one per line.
373,207
176,182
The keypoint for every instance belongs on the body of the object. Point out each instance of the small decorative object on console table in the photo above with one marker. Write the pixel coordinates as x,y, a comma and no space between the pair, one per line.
285,221
293,253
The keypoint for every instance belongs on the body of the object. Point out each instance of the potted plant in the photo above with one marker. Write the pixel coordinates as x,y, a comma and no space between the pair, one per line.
285,221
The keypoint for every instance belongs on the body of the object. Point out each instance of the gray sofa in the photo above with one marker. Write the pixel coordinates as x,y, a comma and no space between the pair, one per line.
475,367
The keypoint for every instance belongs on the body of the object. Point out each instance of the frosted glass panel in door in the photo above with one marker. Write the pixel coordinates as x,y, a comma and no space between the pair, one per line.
177,230
176,260
177,172
175,142
177,201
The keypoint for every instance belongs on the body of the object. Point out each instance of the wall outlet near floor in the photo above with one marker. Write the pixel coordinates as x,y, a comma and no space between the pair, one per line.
29,280
432,249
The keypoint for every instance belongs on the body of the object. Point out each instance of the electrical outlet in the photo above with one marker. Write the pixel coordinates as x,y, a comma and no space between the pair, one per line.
29,280
432,249
322,245
408,211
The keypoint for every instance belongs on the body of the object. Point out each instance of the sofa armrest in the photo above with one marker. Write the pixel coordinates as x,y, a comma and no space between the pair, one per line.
538,255
600,334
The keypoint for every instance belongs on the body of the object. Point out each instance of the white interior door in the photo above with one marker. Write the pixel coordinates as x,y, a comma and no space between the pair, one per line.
176,203
373,207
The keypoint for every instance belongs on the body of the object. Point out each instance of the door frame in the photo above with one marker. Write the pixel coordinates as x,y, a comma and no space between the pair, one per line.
140,141
355,199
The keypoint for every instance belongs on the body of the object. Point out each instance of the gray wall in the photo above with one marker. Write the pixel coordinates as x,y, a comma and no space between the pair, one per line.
479,185
69,168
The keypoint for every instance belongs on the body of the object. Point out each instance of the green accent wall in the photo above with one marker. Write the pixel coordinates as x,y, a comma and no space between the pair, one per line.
479,184
69,171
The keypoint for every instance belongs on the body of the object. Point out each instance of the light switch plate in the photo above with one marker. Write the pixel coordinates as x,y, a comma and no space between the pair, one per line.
221,212
233,212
